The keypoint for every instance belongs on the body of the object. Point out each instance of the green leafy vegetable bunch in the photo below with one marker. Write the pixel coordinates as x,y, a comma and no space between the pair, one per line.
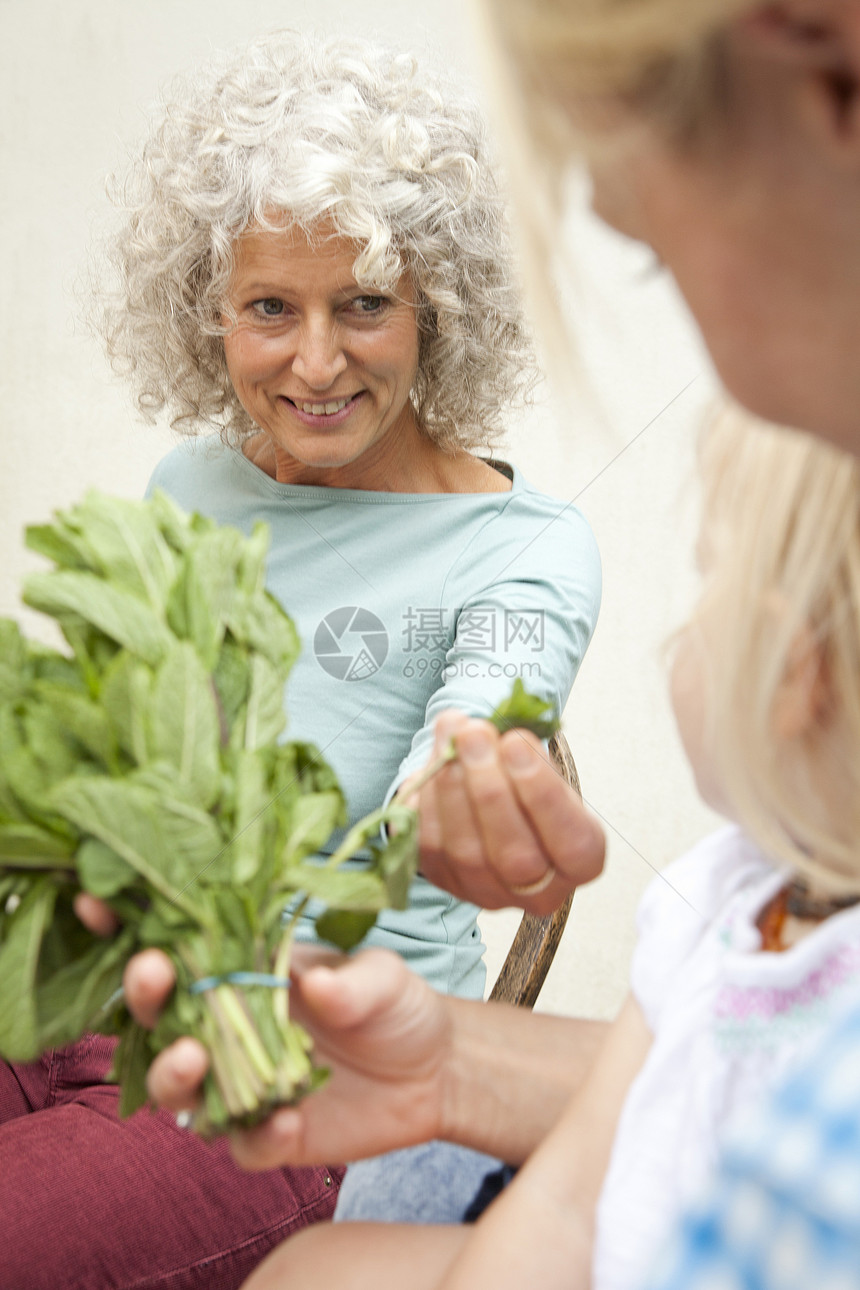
145,765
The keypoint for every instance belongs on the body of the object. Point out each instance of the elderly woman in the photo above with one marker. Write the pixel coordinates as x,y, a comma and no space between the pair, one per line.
724,133
313,271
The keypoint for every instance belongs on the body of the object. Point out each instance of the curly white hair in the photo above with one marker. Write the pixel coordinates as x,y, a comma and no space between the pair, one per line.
313,131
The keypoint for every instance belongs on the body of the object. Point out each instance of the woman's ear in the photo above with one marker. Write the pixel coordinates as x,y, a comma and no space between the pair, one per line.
820,39
802,698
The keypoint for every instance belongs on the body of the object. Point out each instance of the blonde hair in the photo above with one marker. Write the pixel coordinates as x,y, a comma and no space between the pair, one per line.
325,134
650,55
572,77
781,539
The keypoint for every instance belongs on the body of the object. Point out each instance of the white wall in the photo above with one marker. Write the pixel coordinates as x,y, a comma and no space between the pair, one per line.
76,81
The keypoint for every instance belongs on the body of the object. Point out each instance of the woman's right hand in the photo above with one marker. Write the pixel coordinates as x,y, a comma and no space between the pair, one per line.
499,825
384,1033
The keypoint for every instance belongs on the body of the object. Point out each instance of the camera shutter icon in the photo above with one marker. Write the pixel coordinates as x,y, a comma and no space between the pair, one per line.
351,643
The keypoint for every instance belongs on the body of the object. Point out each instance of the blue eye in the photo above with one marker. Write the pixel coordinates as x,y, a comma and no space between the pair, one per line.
369,304
270,307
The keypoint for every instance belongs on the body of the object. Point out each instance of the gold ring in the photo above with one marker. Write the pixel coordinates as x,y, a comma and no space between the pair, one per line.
533,888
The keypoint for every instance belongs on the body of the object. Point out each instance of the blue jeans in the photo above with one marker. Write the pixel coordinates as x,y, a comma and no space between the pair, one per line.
435,1182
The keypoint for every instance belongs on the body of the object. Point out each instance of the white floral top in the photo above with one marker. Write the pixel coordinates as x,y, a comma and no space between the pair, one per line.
728,1020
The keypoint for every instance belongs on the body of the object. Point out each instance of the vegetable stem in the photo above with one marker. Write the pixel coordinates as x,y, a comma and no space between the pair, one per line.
370,824
280,1003
430,770
238,1018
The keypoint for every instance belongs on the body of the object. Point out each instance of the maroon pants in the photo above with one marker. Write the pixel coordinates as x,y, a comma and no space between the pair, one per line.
91,1202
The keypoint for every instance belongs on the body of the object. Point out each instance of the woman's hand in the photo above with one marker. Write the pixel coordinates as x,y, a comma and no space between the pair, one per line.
499,826
383,1031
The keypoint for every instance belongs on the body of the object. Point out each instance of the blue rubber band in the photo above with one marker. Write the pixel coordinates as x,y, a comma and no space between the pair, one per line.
239,978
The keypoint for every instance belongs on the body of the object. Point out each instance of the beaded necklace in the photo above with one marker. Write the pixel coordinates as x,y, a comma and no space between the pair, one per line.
796,901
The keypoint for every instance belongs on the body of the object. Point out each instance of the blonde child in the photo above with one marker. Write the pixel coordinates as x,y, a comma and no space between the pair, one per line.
748,945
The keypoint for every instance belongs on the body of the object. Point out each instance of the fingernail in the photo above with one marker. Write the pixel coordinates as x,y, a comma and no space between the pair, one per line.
517,754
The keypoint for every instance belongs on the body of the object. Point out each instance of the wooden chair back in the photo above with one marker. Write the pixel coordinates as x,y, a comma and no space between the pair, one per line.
533,948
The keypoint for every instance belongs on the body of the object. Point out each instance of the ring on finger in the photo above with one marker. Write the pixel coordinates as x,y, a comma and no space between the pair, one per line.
534,888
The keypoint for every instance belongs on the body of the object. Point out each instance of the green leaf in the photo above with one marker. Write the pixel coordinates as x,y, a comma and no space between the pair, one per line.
397,861
25,845
19,958
167,841
526,711
27,778
203,595
251,573
102,872
345,887
118,614
56,668
115,537
180,1015
15,667
10,741
313,819
191,836
343,928
303,764
264,717
46,742
72,999
238,923
126,694
183,723
176,527
259,622
93,652
60,543
164,923
232,678
130,1065
251,799
126,545
75,716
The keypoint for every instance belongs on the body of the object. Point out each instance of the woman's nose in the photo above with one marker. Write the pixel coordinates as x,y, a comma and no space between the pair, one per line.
319,358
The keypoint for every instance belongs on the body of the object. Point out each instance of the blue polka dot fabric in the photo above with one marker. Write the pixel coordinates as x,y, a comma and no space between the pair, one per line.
784,1210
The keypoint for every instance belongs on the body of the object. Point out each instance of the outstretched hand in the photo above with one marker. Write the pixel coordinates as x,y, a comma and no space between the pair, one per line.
383,1031
499,826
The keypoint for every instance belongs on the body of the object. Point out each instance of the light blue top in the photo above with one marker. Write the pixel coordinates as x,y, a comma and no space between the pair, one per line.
407,603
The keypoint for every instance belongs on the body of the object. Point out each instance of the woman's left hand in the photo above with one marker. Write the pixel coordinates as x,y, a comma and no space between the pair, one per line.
499,826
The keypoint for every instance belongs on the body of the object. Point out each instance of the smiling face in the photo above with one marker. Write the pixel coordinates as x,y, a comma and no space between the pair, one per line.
323,366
